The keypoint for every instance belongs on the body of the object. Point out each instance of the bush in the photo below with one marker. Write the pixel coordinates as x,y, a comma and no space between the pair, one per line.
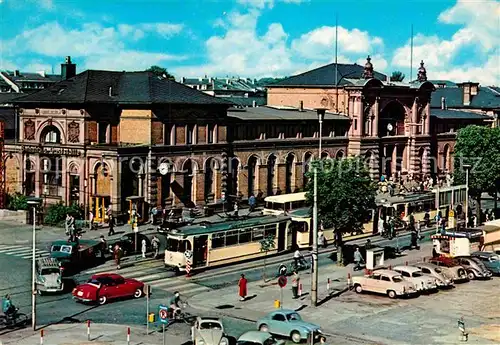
56,213
17,201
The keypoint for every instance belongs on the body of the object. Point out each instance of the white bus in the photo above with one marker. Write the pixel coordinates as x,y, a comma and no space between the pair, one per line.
284,203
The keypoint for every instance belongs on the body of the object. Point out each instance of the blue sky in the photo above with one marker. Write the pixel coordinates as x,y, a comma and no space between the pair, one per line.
253,38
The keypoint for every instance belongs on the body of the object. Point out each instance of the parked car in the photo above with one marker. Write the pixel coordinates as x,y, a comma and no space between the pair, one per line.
103,287
489,259
474,267
258,338
385,282
48,276
434,271
208,331
127,243
416,276
288,323
451,269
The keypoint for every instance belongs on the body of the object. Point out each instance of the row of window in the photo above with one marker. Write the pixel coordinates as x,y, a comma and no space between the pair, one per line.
261,132
235,237
190,134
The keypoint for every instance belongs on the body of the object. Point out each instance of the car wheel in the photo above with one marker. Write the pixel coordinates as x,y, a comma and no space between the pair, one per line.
391,294
296,338
264,328
138,293
102,300
471,275
358,288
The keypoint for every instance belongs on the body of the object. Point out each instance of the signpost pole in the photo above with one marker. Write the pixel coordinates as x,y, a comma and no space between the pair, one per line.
163,334
147,309
281,297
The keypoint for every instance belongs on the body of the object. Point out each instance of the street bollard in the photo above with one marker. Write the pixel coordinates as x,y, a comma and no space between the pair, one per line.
349,281
128,335
41,337
328,285
390,267
406,263
423,259
300,290
88,330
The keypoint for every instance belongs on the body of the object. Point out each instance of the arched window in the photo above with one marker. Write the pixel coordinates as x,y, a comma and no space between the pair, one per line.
51,135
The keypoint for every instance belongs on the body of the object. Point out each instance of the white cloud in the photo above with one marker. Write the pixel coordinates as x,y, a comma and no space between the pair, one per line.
261,4
92,45
478,35
242,51
378,62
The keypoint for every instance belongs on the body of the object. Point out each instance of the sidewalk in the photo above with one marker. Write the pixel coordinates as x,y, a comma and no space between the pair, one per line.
101,334
264,294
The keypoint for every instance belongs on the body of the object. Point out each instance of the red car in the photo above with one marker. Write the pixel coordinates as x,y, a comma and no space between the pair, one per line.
103,287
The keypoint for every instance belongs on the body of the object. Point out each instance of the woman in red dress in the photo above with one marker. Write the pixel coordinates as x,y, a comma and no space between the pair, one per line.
242,284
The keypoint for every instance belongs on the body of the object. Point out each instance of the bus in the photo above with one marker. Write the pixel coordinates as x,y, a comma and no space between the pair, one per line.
212,244
284,203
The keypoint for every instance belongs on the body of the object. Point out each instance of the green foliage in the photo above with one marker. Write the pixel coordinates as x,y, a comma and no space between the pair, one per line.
267,244
479,147
57,213
160,71
17,201
397,76
346,193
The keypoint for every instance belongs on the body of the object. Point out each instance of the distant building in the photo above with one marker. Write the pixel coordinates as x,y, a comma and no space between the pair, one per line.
244,92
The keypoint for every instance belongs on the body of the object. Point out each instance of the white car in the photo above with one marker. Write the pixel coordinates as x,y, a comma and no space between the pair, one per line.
421,281
258,338
208,331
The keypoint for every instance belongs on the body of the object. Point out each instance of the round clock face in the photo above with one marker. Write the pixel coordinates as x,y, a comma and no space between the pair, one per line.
163,168
389,127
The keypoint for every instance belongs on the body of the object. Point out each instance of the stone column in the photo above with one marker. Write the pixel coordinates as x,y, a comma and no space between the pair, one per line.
394,161
414,117
425,161
427,124
376,110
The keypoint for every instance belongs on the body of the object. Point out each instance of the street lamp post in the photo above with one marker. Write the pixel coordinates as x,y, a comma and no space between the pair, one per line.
467,167
34,202
314,276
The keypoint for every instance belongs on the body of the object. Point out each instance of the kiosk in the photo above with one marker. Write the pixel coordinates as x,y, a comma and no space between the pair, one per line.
136,203
374,258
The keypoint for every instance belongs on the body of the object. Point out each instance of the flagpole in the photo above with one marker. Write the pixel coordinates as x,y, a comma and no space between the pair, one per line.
336,63
411,55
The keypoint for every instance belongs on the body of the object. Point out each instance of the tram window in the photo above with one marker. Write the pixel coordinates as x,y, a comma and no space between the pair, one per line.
218,240
257,234
180,246
245,236
231,238
270,230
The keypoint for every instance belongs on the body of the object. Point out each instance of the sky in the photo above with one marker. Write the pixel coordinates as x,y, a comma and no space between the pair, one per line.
457,40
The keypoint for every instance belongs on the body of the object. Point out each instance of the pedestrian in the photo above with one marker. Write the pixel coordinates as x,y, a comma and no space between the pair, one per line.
368,244
242,285
152,214
295,284
118,255
155,242
417,229
66,223
91,220
358,259
111,222
143,247
474,221
104,246
252,202
236,209
71,228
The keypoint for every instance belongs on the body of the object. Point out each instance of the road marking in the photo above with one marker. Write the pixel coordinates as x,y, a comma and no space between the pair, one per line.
150,277
12,251
6,248
38,254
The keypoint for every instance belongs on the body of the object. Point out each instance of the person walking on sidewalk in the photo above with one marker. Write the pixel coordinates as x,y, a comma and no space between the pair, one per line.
252,202
111,223
104,246
143,247
358,259
242,285
295,284
118,256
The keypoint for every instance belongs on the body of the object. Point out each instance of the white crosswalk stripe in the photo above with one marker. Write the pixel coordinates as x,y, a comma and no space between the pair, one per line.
23,252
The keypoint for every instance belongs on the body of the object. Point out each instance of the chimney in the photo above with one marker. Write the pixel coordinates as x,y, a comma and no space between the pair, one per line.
16,73
301,106
68,69
254,104
183,80
443,103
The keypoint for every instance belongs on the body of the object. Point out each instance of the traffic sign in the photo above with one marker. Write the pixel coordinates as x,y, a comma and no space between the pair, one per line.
163,313
282,270
282,281
188,254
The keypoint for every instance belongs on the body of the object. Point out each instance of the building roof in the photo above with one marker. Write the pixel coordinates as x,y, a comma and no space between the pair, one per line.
32,77
112,87
225,84
7,97
457,114
325,76
486,98
285,113
446,83
245,101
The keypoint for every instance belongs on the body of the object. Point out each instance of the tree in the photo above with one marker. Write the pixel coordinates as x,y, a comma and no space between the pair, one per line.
346,195
266,245
397,76
161,72
479,147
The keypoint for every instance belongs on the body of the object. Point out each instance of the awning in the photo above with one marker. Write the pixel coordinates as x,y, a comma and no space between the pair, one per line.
492,232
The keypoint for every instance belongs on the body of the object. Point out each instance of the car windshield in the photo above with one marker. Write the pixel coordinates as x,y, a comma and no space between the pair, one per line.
293,317
174,245
66,249
50,270
494,258
397,279
268,341
210,325
438,270
417,274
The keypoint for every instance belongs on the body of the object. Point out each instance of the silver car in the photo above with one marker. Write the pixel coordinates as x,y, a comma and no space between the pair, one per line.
474,267
208,331
434,271
48,276
421,281
258,338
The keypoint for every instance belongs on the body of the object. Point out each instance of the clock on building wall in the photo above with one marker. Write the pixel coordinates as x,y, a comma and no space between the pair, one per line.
389,127
163,168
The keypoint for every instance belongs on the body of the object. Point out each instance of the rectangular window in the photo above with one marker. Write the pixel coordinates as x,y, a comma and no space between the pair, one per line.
245,236
210,134
231,238
270,230
257,234
169,135
355,124
103,132
218,240
189,134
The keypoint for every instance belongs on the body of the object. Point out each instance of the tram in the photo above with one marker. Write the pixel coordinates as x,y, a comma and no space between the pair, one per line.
212,244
